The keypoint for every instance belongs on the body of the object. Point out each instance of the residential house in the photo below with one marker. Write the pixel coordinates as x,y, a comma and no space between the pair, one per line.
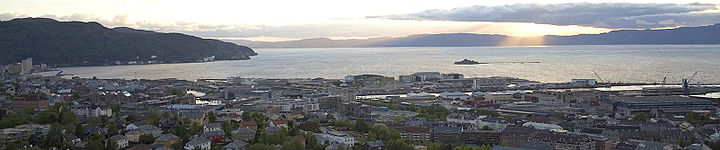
248,124
134,135
215,136
246,134
279,123
198,143
335,139
373,145
235,145
167,140
121,141
212,127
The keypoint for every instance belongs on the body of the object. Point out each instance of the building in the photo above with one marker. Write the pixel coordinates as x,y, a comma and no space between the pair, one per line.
451,76
235,145
91,112
134,135
198,143
121,141
446,134
583,82
454,96
22,132
491,83
658,106
26,66
304,104
428,76
564,141
167,140
248,124
480,137
356,110
415,134
334,138
367,79
212,127
373,145
20,103
246,134
279,123
217,136
329,102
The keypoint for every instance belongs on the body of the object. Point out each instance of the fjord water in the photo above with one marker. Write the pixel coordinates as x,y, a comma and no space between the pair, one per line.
615,63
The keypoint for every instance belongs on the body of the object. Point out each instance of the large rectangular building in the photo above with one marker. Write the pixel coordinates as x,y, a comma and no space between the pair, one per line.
20,103
658,105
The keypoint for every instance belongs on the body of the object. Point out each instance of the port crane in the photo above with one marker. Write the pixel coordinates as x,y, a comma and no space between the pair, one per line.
598,76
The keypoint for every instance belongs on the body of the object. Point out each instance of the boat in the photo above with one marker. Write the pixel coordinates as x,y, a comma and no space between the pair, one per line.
466,62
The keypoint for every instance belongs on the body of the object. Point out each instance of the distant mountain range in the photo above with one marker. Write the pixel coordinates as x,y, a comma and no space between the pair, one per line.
683,35
89,43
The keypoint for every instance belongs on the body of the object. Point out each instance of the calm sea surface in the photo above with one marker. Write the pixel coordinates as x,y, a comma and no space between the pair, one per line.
615,63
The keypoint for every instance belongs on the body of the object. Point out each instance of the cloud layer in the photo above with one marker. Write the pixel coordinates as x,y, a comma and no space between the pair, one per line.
605,15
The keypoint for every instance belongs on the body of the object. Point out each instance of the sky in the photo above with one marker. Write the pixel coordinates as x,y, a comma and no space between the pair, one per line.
278,20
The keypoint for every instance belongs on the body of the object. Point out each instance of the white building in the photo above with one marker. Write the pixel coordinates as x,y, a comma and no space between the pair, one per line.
306,104
335,139
480,83
92,112
428,76
198,143
542,126
212,127
26,66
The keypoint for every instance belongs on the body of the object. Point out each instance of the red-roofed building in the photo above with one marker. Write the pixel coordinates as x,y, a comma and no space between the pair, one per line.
279,123
248,124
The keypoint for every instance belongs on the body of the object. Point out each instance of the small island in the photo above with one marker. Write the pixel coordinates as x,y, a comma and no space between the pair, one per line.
466,62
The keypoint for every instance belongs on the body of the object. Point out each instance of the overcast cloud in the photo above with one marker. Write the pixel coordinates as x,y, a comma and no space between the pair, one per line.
605,15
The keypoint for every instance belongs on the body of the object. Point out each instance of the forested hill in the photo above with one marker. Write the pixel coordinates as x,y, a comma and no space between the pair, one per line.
89,43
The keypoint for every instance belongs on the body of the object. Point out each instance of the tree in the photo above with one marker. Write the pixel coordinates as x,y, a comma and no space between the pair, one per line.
277,137
696,118
111,130
486,127
293,144
227,127
641,117
115,107
246,116
12,120
68,118
95,121
312,142
210,117
398,144
362,126
54,137
111,145
180,131
260,146
485,147
153,117
435,146
146,139
465,147
382,132
294,131
95,145
16,145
